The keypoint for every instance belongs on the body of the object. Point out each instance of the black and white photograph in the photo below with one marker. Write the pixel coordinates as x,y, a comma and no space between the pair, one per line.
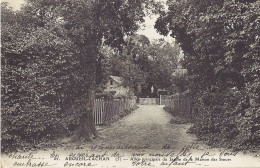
130,83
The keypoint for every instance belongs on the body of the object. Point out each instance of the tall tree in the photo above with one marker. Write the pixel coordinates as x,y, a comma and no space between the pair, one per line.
108,21
55,31
36,69
220,40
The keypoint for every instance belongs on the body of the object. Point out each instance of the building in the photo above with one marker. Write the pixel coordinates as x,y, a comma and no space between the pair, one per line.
179,71
115,83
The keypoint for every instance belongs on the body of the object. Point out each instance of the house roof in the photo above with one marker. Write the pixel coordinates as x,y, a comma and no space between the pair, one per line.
117,79
162,90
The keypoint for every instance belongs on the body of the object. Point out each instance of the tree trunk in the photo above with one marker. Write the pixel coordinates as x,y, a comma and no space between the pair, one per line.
88,56
86,129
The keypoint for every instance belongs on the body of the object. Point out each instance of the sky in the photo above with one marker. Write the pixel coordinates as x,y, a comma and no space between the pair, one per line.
148,30
15,4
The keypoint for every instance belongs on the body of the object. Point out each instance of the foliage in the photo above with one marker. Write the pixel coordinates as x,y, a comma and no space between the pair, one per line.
37,71
50,56
163,61
220,40
144,64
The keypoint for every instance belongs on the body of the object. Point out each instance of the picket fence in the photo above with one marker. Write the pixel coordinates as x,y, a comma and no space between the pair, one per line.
105,110
180,105
163,98
149,101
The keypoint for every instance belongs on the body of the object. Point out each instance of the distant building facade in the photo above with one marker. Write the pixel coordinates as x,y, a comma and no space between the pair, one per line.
115,83
179,71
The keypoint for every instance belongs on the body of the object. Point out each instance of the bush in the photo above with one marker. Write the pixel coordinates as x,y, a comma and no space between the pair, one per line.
221,53
40,80
227,119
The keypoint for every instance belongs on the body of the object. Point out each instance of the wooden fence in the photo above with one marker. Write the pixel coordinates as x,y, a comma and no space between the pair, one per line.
180,105
163,99
149,101
105,110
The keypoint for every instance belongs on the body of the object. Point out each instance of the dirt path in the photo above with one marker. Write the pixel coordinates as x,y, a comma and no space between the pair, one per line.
148,125
145,138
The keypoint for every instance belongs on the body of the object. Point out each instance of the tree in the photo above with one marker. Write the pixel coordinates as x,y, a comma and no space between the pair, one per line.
36,69
121,64
164,60
107,20
219,39
52,48
145,64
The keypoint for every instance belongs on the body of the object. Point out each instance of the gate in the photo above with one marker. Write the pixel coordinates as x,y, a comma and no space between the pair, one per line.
149,101
163,99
